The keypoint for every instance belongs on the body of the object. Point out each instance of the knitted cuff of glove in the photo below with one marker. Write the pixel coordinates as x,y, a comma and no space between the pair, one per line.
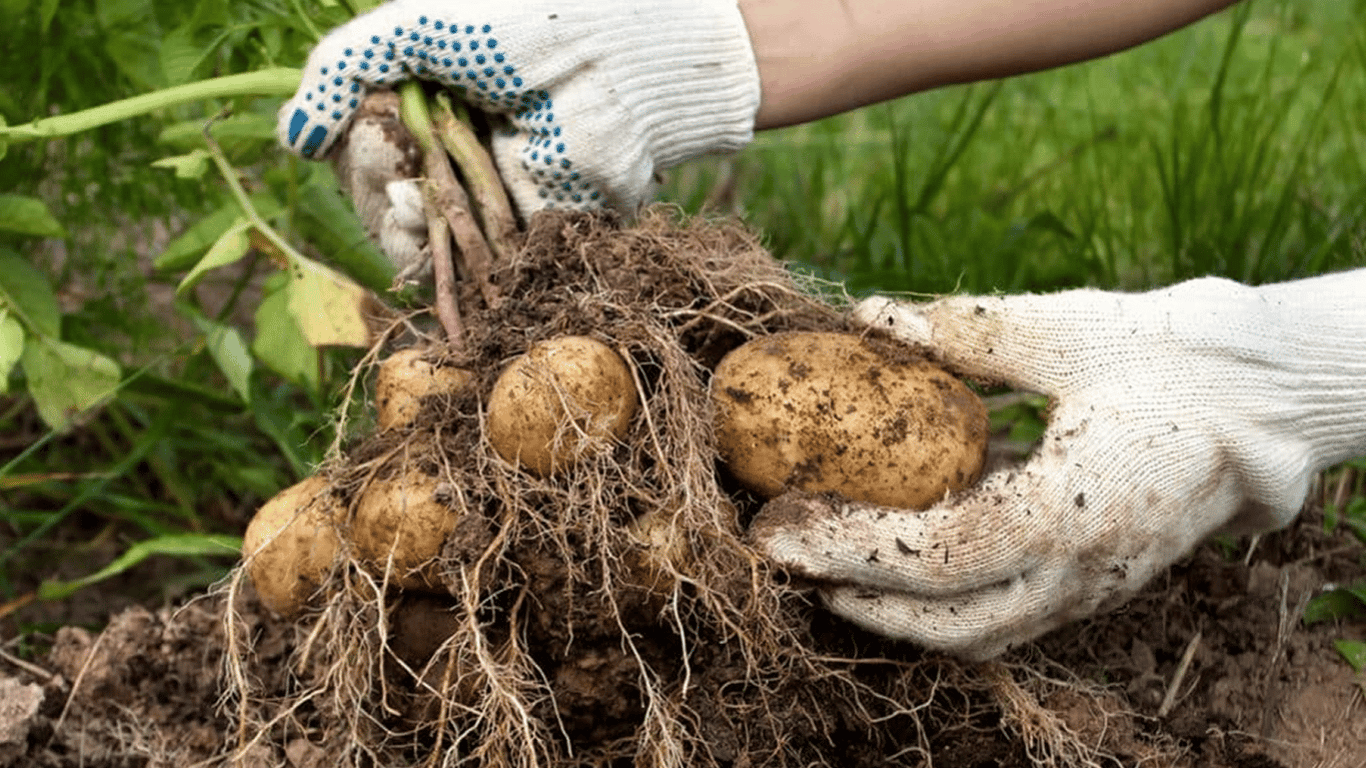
689,70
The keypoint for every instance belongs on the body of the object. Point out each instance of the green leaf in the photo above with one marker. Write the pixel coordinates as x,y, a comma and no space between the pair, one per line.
28,216
4,145
113,13
25,291
180,55
11,347
176,545
1357,525
190,165
244,126
229,351
280,343
328,306
1354,651
1340,603
182,391
182,252
48,13
230,246
1048,221
66,380
328,221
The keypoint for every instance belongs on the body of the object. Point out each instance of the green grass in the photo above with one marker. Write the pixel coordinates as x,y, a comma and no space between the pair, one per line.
1233,147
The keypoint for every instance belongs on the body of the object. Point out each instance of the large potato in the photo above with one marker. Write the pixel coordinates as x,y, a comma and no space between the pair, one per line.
837,412
405,378
290,544
403,516
562,397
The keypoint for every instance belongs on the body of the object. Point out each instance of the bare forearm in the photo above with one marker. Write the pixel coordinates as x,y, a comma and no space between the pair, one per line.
821,57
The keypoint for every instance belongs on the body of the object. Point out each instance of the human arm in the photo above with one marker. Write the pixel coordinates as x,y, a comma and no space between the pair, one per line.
1175,414
820,57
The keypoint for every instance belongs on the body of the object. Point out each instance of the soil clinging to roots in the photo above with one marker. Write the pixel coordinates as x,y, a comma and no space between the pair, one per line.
613,612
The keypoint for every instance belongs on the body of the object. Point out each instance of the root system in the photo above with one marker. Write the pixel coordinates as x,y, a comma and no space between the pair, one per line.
612,613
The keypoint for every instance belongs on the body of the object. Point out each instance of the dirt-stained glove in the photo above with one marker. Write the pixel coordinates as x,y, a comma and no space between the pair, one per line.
598,94
1176,414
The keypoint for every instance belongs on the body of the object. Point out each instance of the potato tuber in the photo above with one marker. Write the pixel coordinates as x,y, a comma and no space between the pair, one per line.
564,396
837,412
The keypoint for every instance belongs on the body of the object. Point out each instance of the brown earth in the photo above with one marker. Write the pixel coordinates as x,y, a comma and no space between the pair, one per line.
561,640
1261,691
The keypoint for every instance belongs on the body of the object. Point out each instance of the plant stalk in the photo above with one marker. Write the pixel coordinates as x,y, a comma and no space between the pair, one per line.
481,176
282,247
280,81
447,195
443,272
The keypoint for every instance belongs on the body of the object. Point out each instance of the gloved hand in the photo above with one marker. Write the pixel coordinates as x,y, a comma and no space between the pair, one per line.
598,94
1176,414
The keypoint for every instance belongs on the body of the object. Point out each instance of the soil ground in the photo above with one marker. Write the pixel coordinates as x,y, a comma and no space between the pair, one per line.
1261,691
1209,666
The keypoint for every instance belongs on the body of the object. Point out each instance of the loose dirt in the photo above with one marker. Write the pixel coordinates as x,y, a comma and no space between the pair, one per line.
559,637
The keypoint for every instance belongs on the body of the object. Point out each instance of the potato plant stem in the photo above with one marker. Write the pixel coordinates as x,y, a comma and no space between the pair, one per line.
412,109
279,81
450,198
481,176
446,193
283,250
443,273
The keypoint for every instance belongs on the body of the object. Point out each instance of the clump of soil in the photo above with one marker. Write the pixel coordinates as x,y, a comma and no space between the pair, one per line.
560,637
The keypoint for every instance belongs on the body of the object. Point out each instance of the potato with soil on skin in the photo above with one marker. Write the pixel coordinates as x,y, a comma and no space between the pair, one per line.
404,379
663,550
866,419
403,516
290,544
562,397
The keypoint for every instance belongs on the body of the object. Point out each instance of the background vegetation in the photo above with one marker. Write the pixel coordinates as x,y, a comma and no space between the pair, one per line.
1235,147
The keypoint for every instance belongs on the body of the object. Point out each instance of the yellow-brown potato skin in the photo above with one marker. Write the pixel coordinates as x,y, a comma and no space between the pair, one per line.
562,388
402,514
864,419
290,567
404,378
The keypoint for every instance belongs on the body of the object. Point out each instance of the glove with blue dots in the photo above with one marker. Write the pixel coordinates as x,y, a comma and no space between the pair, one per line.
597,95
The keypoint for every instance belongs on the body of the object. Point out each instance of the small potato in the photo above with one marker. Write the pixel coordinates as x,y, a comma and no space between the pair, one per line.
665,548
663,552
562,397
402,515
405,378
290,544
836,412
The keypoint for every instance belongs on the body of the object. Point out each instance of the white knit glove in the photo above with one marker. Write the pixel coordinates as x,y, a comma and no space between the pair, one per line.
598,94
1175,414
